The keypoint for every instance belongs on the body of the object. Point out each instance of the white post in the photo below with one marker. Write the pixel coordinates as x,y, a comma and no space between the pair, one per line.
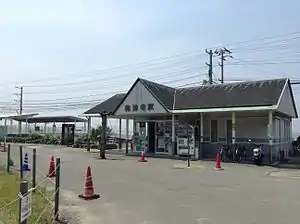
84,127
270,135
173,136
26,127
11,126
45,128
201,136
120,134
89,122
127,134
233,134
134,126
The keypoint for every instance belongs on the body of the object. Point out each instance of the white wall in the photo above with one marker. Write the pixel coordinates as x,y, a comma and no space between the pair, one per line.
286,105
246,127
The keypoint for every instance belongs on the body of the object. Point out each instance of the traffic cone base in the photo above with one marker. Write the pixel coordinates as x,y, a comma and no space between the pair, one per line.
88,187
88,198
142,159
51,175
26,168
218,168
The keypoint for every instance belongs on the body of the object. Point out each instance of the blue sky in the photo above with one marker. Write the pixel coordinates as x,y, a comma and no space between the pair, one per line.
50,39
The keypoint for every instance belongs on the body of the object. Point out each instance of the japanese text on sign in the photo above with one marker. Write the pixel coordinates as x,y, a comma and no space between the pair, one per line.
25,207
142,107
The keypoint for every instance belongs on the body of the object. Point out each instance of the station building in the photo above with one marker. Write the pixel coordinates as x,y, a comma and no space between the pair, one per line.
168,121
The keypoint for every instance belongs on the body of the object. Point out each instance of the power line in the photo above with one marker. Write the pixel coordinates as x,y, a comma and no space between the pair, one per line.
85,104
84,74
262,39
105,82
158,61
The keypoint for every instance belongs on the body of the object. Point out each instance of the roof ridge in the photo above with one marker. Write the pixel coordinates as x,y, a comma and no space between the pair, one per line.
233,83
146,80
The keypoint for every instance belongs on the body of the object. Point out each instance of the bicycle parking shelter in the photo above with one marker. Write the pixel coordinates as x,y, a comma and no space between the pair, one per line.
167,121
68,126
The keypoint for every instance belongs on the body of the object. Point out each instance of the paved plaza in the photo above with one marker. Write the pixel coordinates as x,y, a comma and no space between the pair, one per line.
163,191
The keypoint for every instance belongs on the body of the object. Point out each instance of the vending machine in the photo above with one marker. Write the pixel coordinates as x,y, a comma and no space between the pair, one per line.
140,138
185,140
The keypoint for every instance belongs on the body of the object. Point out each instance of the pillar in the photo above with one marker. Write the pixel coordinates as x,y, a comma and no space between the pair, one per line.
270,135
233,135
134,126
84,127
88,147
173,136
201,137
120,133
134,131
26,127
45,128
127,134
5,124
11,126
103,135
53,128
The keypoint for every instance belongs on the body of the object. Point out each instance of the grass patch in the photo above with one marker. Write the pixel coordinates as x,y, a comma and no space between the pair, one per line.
9,189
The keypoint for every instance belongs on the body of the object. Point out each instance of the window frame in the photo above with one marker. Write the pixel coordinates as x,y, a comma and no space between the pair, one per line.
217,131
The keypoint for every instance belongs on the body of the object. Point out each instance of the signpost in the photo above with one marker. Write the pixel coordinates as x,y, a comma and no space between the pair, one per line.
25,202
26,207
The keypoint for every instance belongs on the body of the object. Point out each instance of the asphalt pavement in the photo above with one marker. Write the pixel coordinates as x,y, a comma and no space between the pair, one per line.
164,191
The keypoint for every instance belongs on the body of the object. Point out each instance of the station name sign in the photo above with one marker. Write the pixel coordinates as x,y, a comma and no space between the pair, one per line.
142,107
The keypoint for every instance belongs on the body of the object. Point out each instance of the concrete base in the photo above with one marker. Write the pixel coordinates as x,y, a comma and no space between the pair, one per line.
88,198
218,169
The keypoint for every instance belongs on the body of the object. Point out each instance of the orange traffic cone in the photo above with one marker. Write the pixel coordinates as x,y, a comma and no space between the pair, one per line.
218,162
142,159
89,187
51,168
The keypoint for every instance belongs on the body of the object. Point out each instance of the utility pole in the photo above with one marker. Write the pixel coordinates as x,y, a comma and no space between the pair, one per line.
103,137
223,53
210,67
20,106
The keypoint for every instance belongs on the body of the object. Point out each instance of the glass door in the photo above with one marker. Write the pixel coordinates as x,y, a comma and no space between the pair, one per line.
160,137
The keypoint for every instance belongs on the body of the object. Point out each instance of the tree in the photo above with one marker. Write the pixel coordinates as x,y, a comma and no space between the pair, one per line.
96,133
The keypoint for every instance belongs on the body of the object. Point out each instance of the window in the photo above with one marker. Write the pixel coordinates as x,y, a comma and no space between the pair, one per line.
214,131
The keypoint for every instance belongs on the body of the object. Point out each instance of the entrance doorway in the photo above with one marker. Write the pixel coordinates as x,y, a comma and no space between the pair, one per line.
151,137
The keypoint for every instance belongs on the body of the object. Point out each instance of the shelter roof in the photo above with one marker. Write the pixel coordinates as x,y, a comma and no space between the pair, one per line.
49,119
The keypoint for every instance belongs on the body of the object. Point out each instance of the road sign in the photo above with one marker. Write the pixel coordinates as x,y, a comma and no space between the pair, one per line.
3,131
26,206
